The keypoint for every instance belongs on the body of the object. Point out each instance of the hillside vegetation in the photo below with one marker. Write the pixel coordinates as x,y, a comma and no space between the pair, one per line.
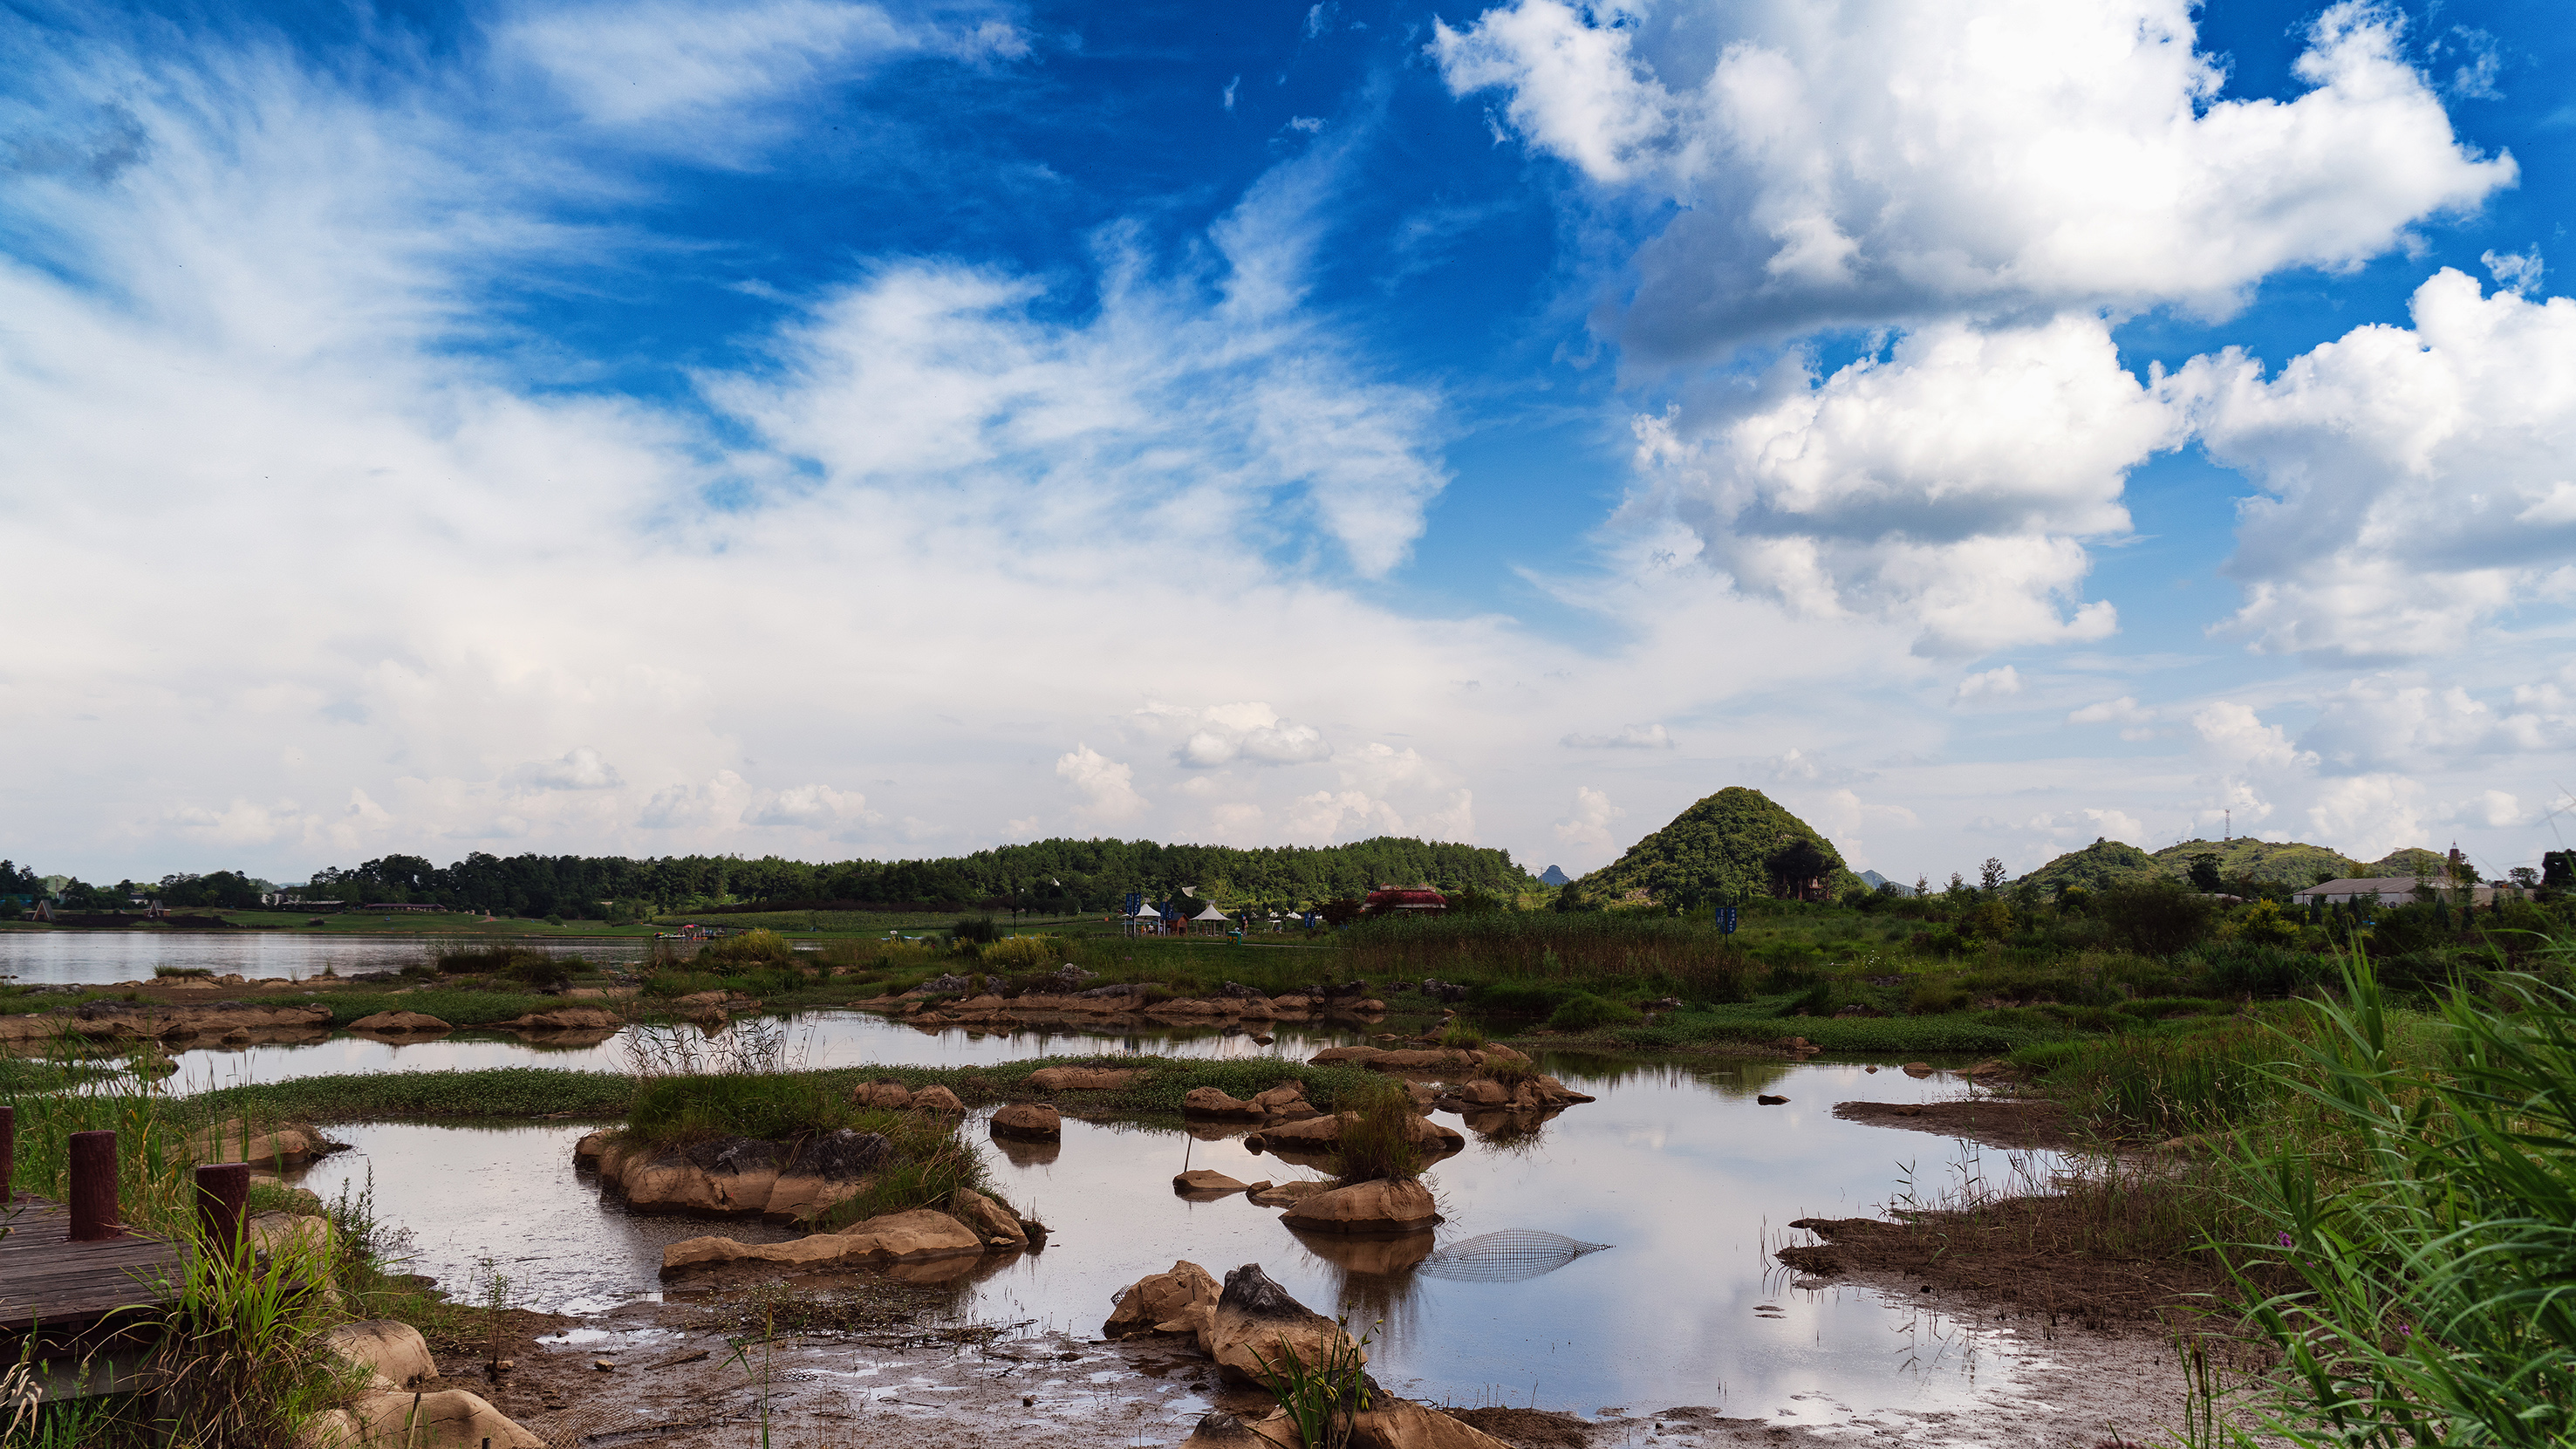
1733,846
2280,864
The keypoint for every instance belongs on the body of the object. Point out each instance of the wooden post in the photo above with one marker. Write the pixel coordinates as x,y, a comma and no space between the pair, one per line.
223,1191
93,1188
8,1155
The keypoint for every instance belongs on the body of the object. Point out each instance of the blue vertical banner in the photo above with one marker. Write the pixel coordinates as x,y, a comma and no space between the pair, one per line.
1135,902
1726,919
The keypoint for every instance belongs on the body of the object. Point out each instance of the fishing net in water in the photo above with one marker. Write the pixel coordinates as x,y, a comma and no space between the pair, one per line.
1505,1257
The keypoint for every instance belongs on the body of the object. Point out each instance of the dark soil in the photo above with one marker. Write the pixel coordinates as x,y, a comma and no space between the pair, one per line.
2040,1255
1527,1428
2013,1123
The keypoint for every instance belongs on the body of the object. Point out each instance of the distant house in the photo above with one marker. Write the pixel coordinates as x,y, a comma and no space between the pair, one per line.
1401,901
387,907
2393,890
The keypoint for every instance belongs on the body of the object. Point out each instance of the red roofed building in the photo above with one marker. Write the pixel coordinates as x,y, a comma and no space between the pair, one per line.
1399,900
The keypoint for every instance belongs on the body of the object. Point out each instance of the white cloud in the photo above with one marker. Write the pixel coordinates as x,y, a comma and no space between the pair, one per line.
1249,733
2367,816
2516,272
812,807
2415,481
1588,828
1990,684
581,768
676,66
1107,787
1328,816
2076,829
1951,486
2124,710
1875,160
1629,737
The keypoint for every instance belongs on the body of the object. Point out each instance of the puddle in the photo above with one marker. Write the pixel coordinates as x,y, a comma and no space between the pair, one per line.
1688,1180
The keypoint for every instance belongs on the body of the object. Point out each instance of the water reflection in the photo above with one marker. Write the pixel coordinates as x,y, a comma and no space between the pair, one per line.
102,958
815,1040
1692,1182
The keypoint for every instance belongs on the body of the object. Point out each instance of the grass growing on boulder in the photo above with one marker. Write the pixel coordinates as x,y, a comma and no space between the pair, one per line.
1463,1036
932,1161
773,1106
751,948
1379,1143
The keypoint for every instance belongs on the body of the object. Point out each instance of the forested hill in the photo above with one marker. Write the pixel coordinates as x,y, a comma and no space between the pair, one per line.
1074,875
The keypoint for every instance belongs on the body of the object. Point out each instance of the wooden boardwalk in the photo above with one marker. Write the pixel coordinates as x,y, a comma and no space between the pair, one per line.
48,1280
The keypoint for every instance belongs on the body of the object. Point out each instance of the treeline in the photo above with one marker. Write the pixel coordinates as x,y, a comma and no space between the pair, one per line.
1066,875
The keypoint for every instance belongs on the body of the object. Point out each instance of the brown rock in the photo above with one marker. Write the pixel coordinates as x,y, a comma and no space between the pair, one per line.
1257,1321
1553,1090
1218,1429
1199,1180
938,1099
1084,1079
234,1141
1160,1298
1360,1055
587,1150
1918,1069
569,1018
400,1023
1280,1097
1214,1102
1392,1423
1027,1119
910,1237
1315,1134
1366,1207
801,1197
999,1225
882,1094
393,1352
1281,1194
448,1419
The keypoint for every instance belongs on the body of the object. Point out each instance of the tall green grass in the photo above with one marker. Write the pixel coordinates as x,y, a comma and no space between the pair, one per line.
1689,957
2428,1223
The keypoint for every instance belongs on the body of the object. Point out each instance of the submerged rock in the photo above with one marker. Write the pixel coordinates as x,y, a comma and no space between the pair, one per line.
1200,1180
919,1235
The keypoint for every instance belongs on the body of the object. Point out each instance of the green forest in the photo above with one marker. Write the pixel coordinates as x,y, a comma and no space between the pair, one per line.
1049,875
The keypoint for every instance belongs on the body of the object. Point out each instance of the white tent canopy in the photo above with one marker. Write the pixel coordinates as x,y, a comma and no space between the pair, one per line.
1211,914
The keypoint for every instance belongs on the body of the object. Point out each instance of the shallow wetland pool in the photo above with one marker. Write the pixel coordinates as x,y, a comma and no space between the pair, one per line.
1687,1179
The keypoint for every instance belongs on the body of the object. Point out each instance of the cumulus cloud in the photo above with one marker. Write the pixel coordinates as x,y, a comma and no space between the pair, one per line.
1588,828
1249,733
2415,481
1989,684
1871,160
2071,829
811,807
1332,815
1106,787
580,768
1629,737
1952,485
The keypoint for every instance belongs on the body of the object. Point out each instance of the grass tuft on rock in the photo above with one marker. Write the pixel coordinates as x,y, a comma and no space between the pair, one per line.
1379,1144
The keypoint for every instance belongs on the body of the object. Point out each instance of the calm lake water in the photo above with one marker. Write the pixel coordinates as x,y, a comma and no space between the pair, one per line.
102,958
1687,1178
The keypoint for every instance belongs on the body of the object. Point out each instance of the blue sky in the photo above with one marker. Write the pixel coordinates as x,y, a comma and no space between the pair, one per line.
836,428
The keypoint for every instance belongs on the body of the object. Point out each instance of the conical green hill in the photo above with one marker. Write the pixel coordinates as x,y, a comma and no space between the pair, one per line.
2103,863
1735,845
